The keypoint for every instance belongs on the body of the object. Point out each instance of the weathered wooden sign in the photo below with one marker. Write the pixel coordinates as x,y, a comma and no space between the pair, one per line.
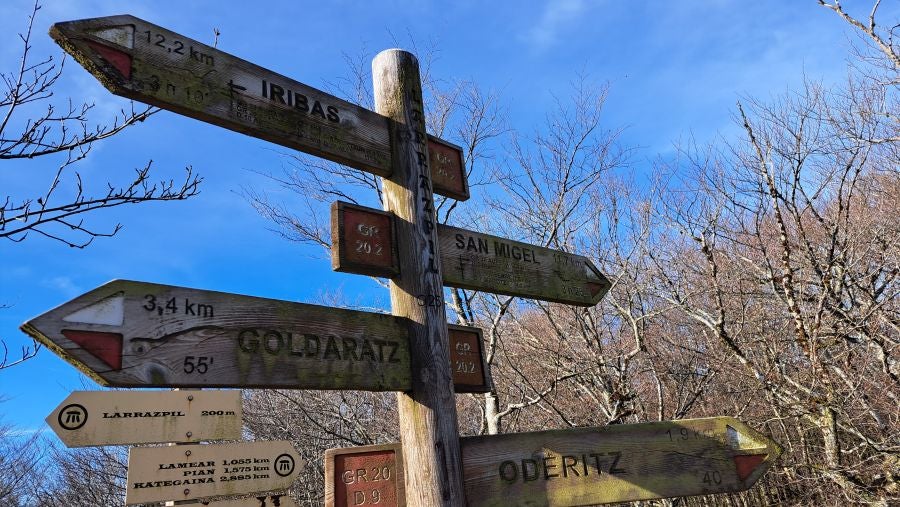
94,418
619,463
135,334
476,261
148,63
364,475
467,360
185,472
572,467
254,501
363,239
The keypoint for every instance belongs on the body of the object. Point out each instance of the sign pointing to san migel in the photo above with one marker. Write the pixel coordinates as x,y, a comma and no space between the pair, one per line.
148,63
619,463
94,418
135,334
186,472
364,242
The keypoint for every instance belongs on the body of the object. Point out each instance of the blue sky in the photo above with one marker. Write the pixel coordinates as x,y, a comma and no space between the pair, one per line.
675,69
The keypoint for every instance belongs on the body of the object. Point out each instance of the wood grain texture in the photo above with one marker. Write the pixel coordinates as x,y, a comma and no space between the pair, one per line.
148,63
363,241
474,260
186,472
96,418
427,414
477,261
467,360
587,466
367,475
179,337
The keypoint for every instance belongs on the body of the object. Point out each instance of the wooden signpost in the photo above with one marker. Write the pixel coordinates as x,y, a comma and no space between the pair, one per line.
619,463
467,360
364,242
135,334
148,63
366,475
186,472
95,418
574,467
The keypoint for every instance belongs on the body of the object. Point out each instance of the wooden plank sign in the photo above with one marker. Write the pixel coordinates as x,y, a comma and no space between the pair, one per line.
363,241
254,501
619,463
365,475
135,334
469,259
95,418
476,261
186,472
148,63
467,361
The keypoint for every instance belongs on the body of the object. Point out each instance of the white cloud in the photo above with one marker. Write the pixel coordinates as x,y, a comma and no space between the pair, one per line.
557,14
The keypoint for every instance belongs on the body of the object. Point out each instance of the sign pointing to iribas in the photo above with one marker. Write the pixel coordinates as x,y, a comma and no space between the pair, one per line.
135,334
619,463
94,418
145,62
187,472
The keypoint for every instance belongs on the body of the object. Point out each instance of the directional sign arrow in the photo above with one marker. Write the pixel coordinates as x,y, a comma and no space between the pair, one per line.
135,334
186,472
95,418
610,464
477,261
145,62
364,239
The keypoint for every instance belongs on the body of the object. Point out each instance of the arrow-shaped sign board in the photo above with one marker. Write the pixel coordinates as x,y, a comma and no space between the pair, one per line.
363,242
619,463
135,334
95,418
145,62
185,472
572,467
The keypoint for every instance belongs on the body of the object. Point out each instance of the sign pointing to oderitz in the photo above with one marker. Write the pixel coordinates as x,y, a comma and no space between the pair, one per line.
135,334
148,63
94,418
618,463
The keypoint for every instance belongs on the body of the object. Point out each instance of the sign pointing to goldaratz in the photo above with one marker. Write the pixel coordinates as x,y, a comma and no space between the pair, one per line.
135,334
94,418
145,62
186,472
619,463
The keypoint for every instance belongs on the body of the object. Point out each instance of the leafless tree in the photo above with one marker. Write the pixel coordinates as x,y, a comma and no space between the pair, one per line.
47,139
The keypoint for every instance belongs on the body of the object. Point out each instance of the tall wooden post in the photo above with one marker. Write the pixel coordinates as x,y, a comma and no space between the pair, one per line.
428,426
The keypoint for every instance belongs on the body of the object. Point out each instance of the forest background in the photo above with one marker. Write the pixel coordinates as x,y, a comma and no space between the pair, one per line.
734,170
